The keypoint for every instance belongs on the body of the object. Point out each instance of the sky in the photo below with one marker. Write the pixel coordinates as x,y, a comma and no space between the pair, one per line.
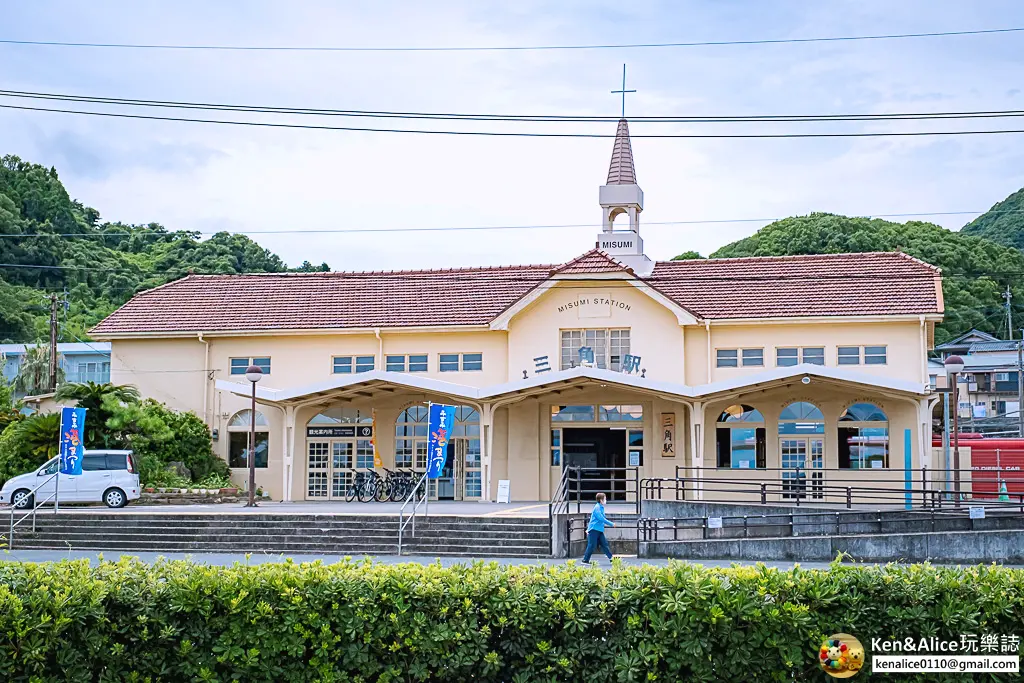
206,177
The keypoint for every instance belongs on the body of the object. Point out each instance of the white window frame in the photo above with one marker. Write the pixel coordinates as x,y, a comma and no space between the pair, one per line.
796,356
460,361
723,360
264,365
805,349
353,364
608,354
743,358
851,360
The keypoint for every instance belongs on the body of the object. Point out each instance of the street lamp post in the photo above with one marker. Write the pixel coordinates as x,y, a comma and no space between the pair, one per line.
954,366
254,374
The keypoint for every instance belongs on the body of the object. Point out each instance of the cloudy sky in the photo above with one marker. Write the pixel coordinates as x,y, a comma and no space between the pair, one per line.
211,177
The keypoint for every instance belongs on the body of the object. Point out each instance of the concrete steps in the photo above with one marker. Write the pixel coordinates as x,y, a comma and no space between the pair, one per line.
336,534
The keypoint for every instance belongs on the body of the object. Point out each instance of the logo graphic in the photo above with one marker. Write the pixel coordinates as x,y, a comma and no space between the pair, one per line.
841,655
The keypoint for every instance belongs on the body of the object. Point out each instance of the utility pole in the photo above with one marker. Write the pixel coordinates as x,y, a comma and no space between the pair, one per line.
1020,385
53,343
1008,295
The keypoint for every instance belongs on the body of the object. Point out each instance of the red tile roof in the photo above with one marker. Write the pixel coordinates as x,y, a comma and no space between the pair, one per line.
791,286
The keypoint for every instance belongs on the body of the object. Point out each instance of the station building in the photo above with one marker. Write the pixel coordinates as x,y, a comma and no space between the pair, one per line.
753,369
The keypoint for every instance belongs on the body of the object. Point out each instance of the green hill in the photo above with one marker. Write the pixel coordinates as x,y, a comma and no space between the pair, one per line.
1003,223
50,243
975,270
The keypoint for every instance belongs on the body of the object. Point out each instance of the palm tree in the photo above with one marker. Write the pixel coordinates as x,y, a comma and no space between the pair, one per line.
96,399
34,373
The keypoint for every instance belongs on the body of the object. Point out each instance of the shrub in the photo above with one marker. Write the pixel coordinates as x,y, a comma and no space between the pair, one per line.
27,444
175,621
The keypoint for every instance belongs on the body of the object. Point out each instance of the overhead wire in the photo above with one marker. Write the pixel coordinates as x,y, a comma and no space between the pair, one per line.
501,48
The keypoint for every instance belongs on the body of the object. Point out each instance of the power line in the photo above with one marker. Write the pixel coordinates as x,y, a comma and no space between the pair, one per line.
470,228
530,118
267,124
503,48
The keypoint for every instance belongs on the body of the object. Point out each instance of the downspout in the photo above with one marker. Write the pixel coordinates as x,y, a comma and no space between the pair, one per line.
924,352
206,380
707,333
380,347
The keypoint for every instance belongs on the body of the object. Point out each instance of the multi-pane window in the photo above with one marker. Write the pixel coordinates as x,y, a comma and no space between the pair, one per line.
556,447
608,346
467,362
727,358
813,355
753,358
853,355
410,363
411,437
364,454
93,372
317,468
787,357
240,365
239,437
346,365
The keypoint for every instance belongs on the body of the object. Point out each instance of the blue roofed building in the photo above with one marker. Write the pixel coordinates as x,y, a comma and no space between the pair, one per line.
82,362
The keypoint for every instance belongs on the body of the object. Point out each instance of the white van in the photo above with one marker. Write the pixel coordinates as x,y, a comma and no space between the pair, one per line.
109,477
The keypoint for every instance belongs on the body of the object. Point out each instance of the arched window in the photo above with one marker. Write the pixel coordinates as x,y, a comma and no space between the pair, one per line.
740,437
342,415
801,418
239,433
863,433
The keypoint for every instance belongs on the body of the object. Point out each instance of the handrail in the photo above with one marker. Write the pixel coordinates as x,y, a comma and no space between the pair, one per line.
35,508
402,522
559,499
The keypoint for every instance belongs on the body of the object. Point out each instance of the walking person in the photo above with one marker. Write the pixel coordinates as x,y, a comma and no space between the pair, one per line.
595,531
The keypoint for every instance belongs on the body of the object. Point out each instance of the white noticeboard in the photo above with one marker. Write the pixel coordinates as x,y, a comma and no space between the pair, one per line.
714,522
977,512
504,491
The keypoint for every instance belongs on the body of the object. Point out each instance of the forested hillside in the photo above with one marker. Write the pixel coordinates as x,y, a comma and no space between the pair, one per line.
975,270
1003,223
49,243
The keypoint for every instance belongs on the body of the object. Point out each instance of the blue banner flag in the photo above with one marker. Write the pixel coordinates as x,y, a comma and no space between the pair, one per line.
72,433
440,421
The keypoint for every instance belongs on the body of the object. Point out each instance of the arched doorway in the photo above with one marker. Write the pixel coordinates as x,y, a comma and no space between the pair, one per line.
240,428
339,442
801,449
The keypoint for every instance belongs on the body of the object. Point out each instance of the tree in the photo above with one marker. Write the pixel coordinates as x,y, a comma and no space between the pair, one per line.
27,444
34,373
1003,223
687,255
97,400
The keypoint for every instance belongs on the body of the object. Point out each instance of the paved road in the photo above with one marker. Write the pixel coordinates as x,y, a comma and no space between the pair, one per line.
227,559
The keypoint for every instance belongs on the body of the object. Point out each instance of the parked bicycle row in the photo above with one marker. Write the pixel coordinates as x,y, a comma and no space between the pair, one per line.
395,485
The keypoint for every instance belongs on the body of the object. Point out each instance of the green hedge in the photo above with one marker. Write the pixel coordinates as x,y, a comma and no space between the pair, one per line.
176,621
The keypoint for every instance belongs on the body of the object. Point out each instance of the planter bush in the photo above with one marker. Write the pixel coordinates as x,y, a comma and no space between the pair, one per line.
176,621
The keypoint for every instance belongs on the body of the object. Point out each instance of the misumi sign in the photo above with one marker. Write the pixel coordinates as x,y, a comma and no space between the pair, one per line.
593,306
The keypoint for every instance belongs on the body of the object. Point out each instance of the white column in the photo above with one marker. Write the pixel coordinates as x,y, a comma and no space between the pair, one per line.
696,437
487,419
289,451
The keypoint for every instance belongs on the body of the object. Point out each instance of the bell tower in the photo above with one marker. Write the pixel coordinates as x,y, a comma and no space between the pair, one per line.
621,198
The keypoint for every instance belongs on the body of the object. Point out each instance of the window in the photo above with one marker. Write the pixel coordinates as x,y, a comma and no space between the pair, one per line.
849,355
813,355
93,372
572,414
342,415
110,461
740,438
238,439
626,413
786,357
874,355
364,454
345,365
609,347
556,447
753,358
801,418
635,447
863,437
240,365
413,363
411,437
727,358
1002,377
467,362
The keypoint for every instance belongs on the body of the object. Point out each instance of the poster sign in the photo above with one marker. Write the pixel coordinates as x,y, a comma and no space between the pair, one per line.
714,522
504,491
72,433
668,435
634,458
977,512
440,420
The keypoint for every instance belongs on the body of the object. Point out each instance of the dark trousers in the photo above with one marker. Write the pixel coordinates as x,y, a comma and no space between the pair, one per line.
595,539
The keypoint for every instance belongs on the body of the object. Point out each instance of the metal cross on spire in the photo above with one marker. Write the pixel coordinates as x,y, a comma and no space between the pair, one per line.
623,91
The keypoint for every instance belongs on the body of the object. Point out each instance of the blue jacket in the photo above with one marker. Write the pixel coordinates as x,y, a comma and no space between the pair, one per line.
597,519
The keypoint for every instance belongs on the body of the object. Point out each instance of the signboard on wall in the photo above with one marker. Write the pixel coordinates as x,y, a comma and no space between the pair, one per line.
340,431
668,435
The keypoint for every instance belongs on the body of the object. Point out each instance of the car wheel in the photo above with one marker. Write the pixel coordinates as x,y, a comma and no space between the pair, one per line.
115,498
22,499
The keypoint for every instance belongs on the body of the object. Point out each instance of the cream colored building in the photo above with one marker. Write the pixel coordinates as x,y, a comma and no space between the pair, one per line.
804,370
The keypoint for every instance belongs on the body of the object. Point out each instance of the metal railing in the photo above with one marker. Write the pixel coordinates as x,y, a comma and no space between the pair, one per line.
559,504
578,523
619,484
36,504
821,523
402,521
